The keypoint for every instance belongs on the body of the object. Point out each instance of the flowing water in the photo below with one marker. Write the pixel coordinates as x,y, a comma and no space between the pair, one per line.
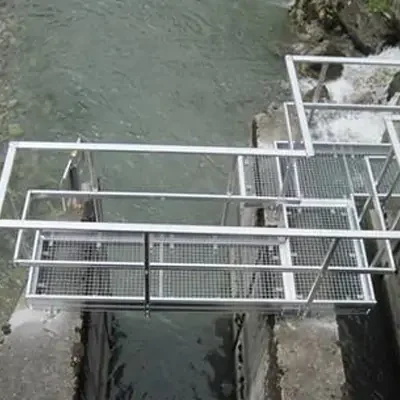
181,72
154,71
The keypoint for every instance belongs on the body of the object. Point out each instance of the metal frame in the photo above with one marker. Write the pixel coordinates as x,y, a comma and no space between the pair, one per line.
285,162
301,106
219,234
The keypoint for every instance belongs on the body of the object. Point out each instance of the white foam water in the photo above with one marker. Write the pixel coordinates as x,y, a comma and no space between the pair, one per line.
358,84
281,3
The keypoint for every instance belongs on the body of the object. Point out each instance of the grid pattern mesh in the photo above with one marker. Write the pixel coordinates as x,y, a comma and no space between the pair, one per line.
389,177
326,176
261,175
304,251
164,282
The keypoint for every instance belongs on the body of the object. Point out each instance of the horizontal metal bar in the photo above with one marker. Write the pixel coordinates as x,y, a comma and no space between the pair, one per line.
197,229
43,194
159,149
78,264
344,60
351,107
346,148
294,201
166,240
217,301
183,307
156,266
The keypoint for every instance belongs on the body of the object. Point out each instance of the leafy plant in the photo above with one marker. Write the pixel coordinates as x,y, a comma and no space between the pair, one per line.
379,5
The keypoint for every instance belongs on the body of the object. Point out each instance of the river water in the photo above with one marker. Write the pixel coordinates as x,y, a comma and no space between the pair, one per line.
154,71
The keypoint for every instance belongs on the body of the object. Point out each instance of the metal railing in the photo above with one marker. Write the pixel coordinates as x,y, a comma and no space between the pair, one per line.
335,185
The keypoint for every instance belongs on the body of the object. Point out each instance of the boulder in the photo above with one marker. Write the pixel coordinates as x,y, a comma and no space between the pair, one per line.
394,86
324,96
352,20
325,48
369,31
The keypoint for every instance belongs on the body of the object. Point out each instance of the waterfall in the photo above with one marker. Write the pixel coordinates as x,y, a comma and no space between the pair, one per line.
358,84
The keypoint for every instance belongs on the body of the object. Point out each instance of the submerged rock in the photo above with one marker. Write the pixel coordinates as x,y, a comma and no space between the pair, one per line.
323,96
15,130
326,48
394,86
6,329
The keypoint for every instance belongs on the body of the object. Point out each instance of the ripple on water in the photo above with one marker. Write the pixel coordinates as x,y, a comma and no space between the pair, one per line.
176,71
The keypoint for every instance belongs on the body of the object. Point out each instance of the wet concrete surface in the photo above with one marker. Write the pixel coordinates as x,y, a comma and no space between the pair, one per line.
370,351
309,358
35,358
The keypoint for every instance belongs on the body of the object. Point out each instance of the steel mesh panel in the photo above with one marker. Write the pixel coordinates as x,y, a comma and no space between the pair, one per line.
334,286
105,250
323,176
165,283
261,175
389,176
291,188
311,251
358,173
216,251
87,282
305,251
216,284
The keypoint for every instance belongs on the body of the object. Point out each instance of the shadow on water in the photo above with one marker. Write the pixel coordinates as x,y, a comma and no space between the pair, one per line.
218,368
369,351
222,361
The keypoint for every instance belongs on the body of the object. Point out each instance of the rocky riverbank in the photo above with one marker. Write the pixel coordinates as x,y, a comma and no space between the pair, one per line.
344,27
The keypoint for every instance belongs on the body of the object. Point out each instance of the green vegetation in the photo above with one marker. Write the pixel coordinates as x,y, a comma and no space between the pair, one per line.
379,5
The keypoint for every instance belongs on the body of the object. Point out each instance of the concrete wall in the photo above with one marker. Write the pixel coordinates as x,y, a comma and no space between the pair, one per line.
95,337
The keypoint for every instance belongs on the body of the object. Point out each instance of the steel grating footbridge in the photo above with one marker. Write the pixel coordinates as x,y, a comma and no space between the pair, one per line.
324,206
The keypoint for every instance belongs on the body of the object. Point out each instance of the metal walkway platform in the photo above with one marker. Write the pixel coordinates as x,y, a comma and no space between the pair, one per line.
198,271
311,255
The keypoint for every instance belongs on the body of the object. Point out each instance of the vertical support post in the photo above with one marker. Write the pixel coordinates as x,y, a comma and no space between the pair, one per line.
324,268
291,145
376,184
298,101
93,181
21,231
392,187
146,274
229,190
317,93
32,269
379,214
286,179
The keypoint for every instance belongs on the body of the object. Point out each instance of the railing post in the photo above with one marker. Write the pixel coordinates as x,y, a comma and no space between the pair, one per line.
229,190
376,184
93,181
317,93
146,274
